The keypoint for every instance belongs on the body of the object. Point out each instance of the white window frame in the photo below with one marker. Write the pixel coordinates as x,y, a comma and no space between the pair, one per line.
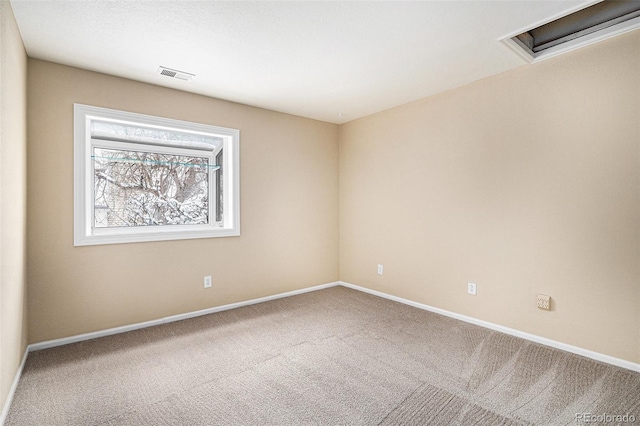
84,231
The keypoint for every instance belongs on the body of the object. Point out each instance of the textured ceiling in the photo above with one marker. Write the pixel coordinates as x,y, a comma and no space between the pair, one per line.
313,59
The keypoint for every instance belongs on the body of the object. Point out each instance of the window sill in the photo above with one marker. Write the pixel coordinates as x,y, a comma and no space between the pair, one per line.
103,236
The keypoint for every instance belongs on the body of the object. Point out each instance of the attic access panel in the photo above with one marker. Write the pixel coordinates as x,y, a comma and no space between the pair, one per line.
597,22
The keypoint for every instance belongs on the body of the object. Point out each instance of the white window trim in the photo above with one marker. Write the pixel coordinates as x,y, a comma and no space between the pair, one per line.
84,231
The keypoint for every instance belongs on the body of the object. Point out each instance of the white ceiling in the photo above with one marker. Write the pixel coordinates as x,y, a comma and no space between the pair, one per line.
313,59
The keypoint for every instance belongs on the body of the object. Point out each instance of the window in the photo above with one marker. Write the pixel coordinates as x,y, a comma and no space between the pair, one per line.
143,178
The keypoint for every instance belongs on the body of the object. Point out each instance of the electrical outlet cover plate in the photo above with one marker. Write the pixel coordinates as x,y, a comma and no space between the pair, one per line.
472,288
207,281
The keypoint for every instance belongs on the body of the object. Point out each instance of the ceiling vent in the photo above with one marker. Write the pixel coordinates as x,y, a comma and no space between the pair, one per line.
180,75
578,28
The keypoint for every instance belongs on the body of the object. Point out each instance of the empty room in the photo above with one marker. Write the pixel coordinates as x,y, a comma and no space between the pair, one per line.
319,213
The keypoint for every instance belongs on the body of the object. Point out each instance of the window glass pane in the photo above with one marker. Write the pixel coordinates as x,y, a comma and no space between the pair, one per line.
134,188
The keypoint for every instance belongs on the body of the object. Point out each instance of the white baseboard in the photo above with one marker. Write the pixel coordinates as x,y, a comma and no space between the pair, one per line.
532,337
12,389
513,332
125,328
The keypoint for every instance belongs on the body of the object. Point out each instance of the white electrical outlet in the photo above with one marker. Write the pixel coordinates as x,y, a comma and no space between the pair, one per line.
471,288
380,269
207,281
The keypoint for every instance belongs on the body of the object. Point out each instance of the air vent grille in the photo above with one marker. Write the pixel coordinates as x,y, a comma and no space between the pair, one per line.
171,73
168,73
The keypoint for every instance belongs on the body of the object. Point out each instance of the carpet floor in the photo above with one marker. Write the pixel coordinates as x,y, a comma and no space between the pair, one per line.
331,357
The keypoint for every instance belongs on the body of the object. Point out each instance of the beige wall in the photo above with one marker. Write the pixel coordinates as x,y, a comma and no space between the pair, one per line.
526,182
13,193
289,212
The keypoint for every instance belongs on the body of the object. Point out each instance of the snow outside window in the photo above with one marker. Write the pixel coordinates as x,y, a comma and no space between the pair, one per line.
143,178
